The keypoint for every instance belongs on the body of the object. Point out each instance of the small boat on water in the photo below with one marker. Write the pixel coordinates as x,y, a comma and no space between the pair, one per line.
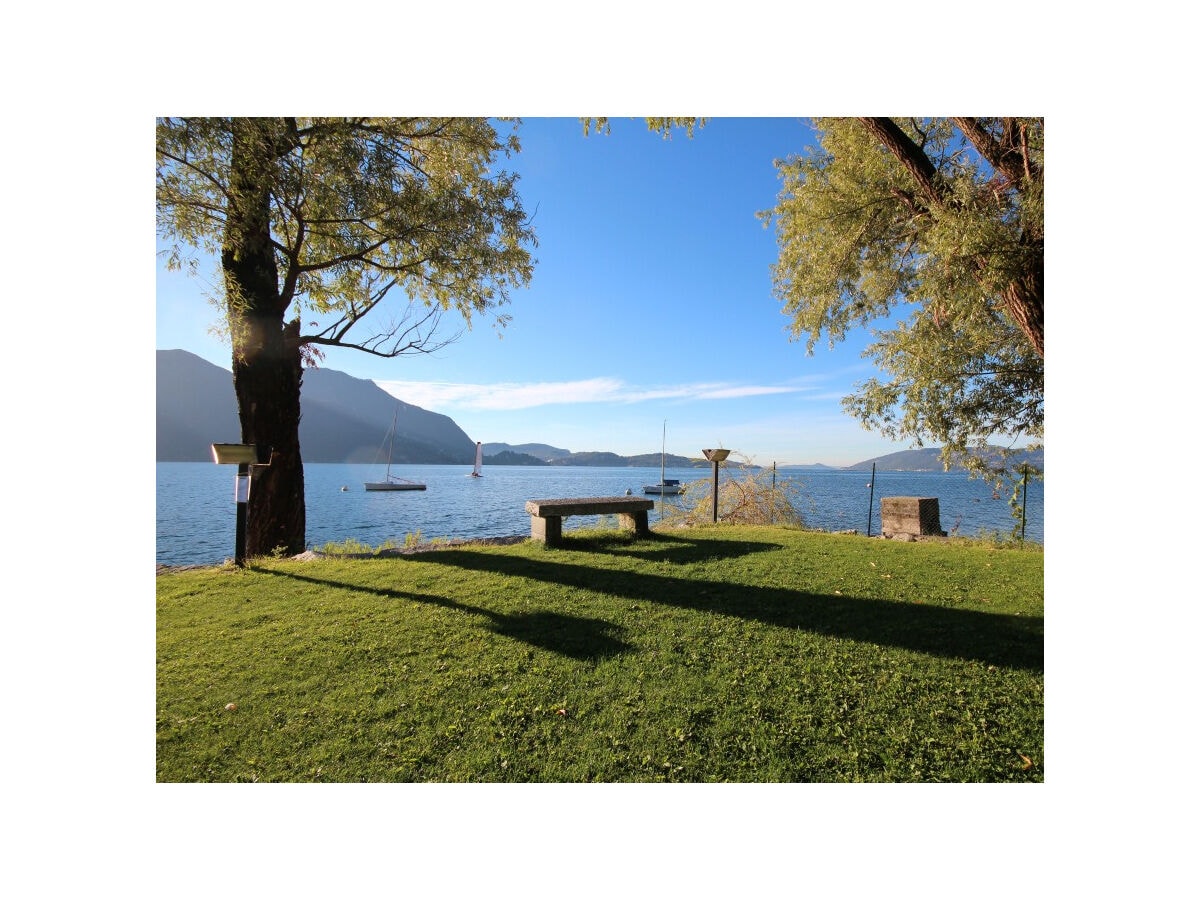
665,486
393,482
478,473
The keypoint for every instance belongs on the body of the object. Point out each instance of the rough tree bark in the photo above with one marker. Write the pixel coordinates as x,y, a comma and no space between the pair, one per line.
266,353
1023,296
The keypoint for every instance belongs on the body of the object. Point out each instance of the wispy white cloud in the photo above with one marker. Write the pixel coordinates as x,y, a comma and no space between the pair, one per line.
733,392
508,396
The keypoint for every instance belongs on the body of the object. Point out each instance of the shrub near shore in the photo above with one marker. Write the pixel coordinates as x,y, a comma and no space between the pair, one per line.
710,654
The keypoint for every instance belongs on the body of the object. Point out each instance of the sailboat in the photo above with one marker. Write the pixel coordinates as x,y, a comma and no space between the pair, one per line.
478,473
665,485
393,482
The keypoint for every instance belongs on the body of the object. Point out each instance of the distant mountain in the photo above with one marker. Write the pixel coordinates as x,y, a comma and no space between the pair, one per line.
928,459
604,458
346,419
557,456
342,418
194,407
541,451
675,462
509,458
591,458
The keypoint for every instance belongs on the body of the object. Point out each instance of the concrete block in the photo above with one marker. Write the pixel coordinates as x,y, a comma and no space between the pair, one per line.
911,515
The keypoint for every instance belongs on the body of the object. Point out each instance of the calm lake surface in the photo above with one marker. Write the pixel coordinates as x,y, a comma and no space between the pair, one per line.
196,508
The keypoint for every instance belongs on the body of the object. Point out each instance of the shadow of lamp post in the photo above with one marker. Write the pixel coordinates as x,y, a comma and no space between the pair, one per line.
716,457
245,456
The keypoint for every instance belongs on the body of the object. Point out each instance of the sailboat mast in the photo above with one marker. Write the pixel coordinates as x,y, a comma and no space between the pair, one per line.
391,440
662,469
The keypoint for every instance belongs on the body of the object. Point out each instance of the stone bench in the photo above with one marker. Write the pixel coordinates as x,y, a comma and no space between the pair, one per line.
545,516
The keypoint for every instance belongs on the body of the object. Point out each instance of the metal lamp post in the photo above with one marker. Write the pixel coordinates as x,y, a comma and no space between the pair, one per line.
716,457
244,455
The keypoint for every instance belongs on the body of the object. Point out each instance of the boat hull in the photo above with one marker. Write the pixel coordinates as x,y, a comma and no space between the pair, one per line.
393,486
659,489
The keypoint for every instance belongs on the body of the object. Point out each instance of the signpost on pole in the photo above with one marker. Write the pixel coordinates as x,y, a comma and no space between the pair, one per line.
716,457
245,456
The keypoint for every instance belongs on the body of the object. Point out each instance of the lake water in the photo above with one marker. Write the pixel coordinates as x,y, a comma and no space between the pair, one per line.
196,508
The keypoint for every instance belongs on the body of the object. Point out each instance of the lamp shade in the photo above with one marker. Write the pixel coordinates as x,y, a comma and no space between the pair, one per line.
241,453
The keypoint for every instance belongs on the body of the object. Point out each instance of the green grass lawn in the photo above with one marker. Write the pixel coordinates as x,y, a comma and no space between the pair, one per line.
742,654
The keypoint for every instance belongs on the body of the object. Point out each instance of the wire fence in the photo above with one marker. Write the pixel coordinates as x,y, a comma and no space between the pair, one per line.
965,506
840,500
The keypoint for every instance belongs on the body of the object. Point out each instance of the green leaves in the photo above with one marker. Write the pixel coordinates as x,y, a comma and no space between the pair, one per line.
358,208
924,238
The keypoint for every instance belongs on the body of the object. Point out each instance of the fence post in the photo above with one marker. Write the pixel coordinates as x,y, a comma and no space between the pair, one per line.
1024,497
871,500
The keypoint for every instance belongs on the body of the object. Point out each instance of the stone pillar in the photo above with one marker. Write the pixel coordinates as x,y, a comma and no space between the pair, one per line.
911,515
547,529
639,521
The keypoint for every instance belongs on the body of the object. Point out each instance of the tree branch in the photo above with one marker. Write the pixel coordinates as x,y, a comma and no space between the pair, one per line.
908,153
405,336
1008,158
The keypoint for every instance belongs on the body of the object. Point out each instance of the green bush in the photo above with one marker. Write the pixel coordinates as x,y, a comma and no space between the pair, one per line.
746,495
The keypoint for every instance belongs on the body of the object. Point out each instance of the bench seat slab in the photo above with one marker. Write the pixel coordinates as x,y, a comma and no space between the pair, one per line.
587,506
545,516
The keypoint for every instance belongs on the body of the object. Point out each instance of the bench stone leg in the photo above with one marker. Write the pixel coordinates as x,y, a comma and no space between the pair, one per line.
547,529
639,521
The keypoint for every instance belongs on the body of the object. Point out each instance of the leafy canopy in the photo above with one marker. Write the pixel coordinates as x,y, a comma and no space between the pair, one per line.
357,207
930,233
924,249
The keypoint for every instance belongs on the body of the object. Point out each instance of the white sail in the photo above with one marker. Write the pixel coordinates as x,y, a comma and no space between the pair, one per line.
478,473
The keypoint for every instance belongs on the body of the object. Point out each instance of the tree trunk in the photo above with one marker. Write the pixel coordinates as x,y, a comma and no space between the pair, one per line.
1023,302
268,393
1023,299
266,353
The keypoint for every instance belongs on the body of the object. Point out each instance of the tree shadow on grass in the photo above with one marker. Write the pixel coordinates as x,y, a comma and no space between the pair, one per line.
574,636
577,637
1008,641
660,547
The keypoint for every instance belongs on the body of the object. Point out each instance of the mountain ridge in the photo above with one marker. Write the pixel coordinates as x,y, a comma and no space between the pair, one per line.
342,418
346,419
928,459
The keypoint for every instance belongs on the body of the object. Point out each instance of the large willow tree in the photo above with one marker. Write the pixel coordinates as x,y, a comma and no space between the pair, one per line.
934,229
317,223
931,231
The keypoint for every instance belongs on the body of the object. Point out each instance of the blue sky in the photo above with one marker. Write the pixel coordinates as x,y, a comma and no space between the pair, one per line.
651,301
